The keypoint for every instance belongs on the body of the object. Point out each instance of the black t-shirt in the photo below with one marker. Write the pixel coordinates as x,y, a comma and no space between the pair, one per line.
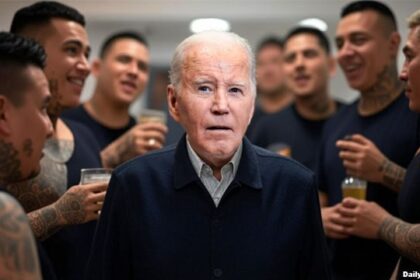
288,128
409,207
103,134
69,248
393,131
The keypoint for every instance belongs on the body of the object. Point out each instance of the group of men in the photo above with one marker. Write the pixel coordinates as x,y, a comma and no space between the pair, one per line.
214,205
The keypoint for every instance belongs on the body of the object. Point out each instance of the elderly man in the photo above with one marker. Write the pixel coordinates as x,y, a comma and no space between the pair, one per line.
24,97
372,221
213,206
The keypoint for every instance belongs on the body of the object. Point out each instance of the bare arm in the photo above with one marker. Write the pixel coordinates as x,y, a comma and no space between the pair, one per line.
18,254
392,175
402,236
77,206
133,143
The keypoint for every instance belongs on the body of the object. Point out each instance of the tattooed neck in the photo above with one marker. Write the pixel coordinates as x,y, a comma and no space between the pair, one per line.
381,94
54,107
9,163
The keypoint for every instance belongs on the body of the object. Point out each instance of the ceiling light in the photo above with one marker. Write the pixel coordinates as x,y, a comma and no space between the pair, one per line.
207,24
314,22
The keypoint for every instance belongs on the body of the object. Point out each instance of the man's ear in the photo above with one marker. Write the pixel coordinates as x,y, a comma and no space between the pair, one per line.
96,66
394,43
172,97
5,107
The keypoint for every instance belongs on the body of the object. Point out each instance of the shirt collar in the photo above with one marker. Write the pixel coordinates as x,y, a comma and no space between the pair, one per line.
248,170
198,164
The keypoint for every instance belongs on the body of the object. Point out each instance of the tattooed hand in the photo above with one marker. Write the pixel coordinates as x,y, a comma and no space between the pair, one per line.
80,204
139,140
18,255
362,159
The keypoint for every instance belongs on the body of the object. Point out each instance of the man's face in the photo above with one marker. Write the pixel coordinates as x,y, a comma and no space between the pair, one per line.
270,76
30,125
124,71
307,66
411,68
364,51
67,47
215,102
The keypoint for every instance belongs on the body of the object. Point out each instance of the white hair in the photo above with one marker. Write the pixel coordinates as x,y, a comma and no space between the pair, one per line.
175,73
414,20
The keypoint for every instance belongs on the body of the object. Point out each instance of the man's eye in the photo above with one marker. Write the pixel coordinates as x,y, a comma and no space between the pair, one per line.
71,50
235,90
204,89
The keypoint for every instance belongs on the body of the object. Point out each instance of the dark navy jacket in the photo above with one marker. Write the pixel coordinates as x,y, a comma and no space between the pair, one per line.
159,222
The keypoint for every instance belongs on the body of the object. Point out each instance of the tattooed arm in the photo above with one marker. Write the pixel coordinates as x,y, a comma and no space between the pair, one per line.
80,204
364,160
369,220
18,254
402,236
133,143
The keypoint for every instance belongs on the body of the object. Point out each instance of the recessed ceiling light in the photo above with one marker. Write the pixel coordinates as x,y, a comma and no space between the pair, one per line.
207,24
314,22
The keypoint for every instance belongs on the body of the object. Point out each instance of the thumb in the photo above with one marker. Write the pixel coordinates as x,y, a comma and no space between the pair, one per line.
350,202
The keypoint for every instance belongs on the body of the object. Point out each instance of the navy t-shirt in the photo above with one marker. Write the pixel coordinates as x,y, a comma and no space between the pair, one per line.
103,134
69,248
393,131
287,127
409,207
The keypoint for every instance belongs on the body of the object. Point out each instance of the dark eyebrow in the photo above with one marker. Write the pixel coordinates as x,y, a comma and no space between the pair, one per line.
79,44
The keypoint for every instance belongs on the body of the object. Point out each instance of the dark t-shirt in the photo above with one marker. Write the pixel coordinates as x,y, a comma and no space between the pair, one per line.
288,128
409,207
393,131
69,248
103,134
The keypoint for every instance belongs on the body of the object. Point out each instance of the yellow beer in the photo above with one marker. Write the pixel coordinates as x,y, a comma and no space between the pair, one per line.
354,187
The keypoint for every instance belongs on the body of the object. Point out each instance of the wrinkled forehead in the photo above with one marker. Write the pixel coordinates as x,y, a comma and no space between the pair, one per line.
201,58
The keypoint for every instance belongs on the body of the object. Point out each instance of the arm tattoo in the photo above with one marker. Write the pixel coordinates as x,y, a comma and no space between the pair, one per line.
402,236
393,175
116,154
18,255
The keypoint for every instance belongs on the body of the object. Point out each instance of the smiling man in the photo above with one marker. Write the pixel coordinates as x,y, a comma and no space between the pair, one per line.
122,74
381,134
54,199
214,205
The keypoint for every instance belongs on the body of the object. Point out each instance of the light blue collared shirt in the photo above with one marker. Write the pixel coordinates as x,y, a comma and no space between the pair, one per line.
215,187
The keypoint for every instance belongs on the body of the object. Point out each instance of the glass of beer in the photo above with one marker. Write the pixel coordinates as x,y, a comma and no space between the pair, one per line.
151,115
354,187
95,175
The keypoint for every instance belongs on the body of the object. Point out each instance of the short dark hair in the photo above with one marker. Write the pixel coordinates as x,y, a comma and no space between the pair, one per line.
16,54
378,7
106,45
270,41
41,13
322,38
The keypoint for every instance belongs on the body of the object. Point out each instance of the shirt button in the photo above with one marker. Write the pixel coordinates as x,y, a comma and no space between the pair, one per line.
217,272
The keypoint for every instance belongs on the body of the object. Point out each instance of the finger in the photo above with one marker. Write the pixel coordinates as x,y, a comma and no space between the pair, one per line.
359,138
348,155
158,126
351,166
350,203
96,187
154,134
98,197
348,145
